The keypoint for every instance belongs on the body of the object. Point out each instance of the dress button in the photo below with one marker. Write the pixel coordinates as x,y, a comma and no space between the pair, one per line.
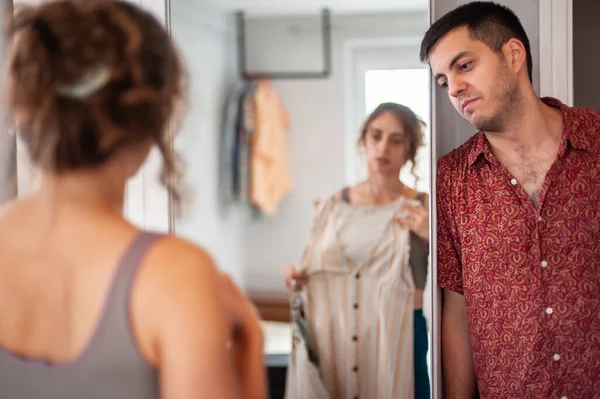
513,182
549,310
539,218
556,357
564,397
544,263
355,306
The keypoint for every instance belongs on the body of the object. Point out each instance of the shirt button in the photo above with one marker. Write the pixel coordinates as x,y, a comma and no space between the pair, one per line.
539,218
549,310
513,182
544,263
357,276
564,397
556,357
355,306
354,338
355,369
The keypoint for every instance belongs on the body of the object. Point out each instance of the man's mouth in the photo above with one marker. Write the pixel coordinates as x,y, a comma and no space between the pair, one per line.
466,103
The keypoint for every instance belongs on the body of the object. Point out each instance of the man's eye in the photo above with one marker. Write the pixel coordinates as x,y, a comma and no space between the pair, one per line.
466,65
443,85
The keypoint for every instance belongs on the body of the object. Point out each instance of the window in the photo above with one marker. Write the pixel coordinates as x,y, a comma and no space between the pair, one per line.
384,72
409,87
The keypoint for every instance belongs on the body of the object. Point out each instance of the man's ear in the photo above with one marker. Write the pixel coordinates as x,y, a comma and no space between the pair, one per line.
515,54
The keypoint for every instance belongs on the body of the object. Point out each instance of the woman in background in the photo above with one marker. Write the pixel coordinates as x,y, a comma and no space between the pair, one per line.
91,307
365,269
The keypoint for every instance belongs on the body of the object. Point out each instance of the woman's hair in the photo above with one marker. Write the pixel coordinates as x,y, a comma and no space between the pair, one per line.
412,124
87,78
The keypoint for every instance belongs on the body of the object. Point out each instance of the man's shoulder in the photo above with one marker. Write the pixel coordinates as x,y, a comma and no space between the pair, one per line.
586,113
456,161
585,125
588,118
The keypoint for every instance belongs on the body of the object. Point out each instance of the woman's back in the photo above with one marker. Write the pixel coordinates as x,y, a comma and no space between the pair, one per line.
65,330
91,307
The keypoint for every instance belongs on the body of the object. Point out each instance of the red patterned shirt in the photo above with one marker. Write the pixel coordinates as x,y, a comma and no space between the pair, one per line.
530,278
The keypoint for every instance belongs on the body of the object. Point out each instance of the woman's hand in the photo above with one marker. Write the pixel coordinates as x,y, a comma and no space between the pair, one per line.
415,219
294,280
244,315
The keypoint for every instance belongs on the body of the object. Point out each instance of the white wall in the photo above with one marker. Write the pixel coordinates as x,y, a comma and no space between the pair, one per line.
206,37
146,200
317,137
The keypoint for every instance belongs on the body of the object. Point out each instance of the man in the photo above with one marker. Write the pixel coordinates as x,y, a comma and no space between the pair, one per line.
519,220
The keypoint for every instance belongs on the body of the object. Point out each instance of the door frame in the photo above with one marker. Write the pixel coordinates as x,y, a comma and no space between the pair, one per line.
556,49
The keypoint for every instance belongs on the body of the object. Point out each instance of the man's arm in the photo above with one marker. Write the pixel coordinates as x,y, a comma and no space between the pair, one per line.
457,357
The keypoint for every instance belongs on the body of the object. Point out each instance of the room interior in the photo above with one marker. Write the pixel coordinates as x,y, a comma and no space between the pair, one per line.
318,66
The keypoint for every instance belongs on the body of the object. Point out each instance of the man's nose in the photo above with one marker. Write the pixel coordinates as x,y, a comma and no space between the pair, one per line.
456,87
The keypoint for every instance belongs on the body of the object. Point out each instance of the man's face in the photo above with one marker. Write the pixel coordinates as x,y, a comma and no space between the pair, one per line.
478,80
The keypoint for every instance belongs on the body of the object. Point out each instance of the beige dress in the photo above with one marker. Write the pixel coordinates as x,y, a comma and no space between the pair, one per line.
359,300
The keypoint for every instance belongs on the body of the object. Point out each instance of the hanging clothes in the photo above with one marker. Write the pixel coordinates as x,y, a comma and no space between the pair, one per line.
230,144
241,151
271,177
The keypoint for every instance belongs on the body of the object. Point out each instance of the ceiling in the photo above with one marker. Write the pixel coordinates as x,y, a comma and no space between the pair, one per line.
270,7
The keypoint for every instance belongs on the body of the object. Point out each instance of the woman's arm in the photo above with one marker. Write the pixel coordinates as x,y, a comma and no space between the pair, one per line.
192,313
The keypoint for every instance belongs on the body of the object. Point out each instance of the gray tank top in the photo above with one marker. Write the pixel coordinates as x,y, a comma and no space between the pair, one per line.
110,367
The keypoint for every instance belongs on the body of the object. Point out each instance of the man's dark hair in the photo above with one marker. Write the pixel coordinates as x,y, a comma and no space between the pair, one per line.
488,22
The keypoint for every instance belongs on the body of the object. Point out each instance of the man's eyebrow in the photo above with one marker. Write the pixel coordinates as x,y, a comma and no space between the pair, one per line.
452,63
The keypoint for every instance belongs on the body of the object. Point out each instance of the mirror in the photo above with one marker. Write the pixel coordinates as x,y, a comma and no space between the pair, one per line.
268,154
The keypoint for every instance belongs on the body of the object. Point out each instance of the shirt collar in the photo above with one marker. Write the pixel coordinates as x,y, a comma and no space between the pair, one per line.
578,138
573,132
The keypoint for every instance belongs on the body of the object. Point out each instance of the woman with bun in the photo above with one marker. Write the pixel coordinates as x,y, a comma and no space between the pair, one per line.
364,271
90,306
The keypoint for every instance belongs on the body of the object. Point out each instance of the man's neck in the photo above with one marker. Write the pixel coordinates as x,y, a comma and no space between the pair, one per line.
539,129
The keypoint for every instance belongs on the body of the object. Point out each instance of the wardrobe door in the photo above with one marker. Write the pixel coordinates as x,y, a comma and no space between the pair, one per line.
586,58
8,145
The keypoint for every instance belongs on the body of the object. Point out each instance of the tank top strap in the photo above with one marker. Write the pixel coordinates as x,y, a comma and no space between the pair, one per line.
346,194
113,338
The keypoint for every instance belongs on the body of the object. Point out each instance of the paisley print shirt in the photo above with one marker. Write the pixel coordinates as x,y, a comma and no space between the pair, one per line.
530,277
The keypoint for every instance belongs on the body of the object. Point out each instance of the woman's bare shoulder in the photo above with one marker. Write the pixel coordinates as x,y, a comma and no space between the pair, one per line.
174,258
178,287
